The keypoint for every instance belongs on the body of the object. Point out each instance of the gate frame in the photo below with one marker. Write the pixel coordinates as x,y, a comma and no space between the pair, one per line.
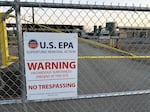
19,4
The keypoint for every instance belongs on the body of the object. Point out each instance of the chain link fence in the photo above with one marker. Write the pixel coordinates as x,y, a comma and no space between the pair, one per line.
113,56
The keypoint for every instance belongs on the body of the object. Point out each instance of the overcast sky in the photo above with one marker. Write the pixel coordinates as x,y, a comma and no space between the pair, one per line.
121,18
115,2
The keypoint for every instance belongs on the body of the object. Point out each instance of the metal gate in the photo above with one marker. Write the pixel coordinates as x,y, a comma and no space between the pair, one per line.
114,55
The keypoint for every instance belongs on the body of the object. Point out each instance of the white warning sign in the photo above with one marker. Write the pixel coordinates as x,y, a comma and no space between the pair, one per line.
50,65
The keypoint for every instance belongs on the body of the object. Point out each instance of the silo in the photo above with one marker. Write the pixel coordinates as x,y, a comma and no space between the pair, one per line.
95,30
99,30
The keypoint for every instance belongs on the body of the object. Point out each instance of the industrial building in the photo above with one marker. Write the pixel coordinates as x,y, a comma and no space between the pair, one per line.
134,32
111,29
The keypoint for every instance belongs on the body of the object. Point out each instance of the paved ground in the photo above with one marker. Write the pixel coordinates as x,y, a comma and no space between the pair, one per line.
101,76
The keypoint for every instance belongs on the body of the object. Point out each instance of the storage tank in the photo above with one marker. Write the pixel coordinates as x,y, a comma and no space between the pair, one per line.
99,30
95,30
111,27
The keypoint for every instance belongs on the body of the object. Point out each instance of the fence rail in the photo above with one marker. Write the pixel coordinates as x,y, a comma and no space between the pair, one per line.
75,6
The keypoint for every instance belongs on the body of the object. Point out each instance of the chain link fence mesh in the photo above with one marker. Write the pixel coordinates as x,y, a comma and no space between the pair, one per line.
98,79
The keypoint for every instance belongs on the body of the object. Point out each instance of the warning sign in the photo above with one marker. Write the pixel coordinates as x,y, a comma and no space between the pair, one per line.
50,65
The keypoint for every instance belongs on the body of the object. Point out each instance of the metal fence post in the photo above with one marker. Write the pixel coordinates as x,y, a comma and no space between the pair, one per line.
21,53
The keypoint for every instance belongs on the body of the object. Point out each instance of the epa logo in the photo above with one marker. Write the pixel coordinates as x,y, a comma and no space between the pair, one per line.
33,44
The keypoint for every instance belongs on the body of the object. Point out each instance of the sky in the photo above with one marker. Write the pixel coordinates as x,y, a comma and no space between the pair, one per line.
107,2
88,18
